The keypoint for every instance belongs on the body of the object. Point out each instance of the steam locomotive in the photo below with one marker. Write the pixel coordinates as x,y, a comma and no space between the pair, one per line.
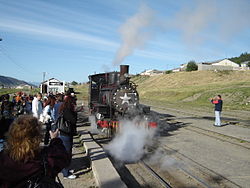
112,96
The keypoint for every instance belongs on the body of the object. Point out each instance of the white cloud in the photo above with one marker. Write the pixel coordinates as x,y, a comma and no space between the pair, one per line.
29,28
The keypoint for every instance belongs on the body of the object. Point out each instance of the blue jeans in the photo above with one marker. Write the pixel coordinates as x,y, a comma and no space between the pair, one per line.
68,143
217,118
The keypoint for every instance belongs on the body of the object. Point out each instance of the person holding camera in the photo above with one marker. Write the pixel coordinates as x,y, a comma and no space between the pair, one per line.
218,103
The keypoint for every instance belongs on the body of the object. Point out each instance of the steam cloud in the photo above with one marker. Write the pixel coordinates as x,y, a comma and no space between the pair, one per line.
135,32
93,124
198,22
192,21
163,160
128,144
211,20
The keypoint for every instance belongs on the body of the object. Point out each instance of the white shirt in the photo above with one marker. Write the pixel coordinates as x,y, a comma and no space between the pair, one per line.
46,116
37,108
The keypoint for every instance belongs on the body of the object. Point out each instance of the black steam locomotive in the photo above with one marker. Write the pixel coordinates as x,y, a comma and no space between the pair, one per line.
113,96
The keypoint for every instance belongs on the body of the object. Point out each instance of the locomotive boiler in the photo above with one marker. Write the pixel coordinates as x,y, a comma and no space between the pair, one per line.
113,96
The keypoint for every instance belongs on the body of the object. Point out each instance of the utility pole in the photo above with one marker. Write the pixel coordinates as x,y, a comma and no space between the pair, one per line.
44,74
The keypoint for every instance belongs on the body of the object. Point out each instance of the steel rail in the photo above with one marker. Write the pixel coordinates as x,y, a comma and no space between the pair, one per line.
157,176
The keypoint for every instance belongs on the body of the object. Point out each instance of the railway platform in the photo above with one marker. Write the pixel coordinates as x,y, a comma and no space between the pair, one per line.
104,172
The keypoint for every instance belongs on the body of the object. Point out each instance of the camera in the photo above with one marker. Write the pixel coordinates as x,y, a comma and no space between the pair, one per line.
54,127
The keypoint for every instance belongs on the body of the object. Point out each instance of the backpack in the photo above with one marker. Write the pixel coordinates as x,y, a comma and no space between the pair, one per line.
63,125
42,180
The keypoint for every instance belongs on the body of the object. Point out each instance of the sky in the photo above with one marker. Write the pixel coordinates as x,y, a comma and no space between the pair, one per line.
70,40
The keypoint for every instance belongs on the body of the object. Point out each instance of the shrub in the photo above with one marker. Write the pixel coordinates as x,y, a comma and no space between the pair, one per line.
168,72
74,83
192,66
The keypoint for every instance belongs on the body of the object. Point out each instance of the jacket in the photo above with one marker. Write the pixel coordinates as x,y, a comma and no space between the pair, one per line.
217,105
56,110
71,117
7,109
48,114
15,174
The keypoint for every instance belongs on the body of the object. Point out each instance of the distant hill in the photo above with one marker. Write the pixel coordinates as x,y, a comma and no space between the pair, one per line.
34,83
12,82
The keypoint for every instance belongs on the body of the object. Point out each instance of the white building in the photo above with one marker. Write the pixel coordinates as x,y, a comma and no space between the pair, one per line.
52,86
176,70
183,67
244,65
224,64
227,62
24,86
151,72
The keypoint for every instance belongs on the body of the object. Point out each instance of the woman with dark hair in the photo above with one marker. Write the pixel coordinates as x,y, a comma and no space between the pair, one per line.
28,105
67,110
48,112
23,155
59,102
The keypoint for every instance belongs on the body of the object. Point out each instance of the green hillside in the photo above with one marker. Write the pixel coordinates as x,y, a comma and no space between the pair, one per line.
194,89
82,92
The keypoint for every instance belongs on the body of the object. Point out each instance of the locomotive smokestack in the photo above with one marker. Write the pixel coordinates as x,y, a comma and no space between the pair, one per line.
124,70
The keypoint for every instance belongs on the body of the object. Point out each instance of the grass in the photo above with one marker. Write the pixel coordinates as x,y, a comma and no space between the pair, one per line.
195,89
82,91
11,91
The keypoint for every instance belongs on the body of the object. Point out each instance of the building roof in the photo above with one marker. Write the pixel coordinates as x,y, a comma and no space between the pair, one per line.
50,80
245,62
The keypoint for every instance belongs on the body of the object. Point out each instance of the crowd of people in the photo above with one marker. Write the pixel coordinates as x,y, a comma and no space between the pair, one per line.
21,135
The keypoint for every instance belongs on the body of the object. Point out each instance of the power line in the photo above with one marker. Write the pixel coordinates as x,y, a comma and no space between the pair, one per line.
13,61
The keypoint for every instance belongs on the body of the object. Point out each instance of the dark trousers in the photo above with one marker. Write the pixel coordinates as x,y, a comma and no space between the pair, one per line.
47,136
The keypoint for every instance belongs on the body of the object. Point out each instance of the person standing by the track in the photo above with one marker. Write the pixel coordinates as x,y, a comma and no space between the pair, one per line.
218,103
67,110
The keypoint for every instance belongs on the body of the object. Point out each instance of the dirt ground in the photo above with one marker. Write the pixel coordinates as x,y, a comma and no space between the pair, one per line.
217,157
81,166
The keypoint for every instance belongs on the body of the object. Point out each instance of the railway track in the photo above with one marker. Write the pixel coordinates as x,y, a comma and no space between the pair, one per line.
156,175
192,173
144,174
138,174
199,172
222,137
188,173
